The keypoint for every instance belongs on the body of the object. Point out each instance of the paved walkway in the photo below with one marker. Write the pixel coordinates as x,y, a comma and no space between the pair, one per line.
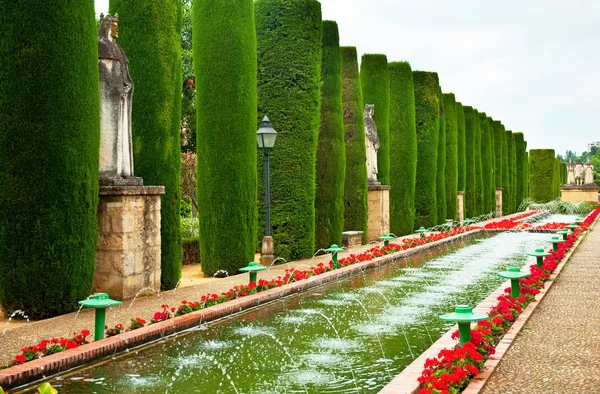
560,351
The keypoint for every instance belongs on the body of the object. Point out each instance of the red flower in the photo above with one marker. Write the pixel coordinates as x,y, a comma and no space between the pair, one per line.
20,359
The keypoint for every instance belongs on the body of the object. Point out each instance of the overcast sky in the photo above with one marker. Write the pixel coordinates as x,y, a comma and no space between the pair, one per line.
532,64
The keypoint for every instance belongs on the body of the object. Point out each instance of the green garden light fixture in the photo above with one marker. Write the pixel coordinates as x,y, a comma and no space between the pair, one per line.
573,226
514,274
463,315
253,268
565,233
448,225
555,241
539,255
99,301
467,222
387,238
334,250
421,230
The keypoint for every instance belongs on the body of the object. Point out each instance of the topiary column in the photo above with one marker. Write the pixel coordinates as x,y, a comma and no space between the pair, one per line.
150,35
462,157
331,152
427,115
226,132
520,148
541,177
489,193
403,149
470,185
479,188
375,84
506,184
289,78
356,210
49,155
451,172
498,132
441,162
513,173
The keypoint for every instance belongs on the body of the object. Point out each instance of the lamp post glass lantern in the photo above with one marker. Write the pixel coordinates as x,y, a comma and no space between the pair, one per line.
265,137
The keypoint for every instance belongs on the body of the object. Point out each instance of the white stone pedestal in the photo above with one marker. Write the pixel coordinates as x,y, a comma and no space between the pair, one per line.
499,201
128,251
379,211
460,206
580,193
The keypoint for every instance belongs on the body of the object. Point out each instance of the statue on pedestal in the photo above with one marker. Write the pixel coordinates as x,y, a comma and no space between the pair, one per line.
579,173
571,172
372,144
116,93
589,172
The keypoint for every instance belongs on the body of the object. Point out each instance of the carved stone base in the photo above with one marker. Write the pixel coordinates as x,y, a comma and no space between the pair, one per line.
128,251
268,250
580,193
379,211
499,201
460,206
352,239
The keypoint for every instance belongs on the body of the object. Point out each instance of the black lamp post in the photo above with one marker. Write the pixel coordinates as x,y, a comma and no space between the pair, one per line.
266,137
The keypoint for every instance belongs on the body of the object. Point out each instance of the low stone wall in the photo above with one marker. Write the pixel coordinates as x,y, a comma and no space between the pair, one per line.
191,251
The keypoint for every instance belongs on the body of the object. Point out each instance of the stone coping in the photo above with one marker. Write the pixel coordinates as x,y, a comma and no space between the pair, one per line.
406,382
131,190
588,186
375,187
45,367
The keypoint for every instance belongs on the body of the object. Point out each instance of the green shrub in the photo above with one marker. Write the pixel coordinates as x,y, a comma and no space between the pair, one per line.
331,152
487,174
471,120
498,131
185,208
479,189
375,84
403,149
527,167
513,173
226,112
49,155
440,187
462,157
541,177
451,154
150,35
356,189
520,149
289,79
190,227
505,174
427,115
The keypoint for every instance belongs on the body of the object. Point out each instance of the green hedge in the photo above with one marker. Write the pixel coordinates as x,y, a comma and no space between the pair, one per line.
513,173
403,149
427,115
563,174
375,84
289,79
541,177
49,155
356,189
527,184
331,152
479,207
469,198
440,187
451,154
506,177
498,131
150,35
520,148
487,175
227,169
462,157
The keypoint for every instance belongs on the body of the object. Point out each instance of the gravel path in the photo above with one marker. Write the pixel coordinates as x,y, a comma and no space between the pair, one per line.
560,351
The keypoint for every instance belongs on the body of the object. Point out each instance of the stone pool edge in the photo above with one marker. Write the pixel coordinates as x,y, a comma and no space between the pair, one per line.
406,381
43,368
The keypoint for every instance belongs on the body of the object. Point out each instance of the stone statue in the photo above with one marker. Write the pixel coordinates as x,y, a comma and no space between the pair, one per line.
571,172
579,173
116,93
372,143
589,172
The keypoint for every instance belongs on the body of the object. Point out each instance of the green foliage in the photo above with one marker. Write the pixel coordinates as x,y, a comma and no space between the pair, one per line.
541,177
403,149
487,174
479,207
427,115
498,132
520,149
289,78
355,189
513,172
375,84
451,171
505,174
188,98
49,155
462,157
331,152
471,127
150,35
225,68
527,184
190,227
440,187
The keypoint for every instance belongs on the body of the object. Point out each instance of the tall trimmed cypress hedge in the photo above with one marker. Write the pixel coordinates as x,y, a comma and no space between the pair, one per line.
451,154
427,115
226,112
498,131
527,171
469,199
150,35
403,149
331,152
506,174
479,187
541,177
440,187
487,174
563,174
520,148
49,155
356,190
513,166
375,84
462,157
289,78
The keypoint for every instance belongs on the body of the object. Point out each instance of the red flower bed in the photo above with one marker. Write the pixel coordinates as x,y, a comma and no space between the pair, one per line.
47,347
453,369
